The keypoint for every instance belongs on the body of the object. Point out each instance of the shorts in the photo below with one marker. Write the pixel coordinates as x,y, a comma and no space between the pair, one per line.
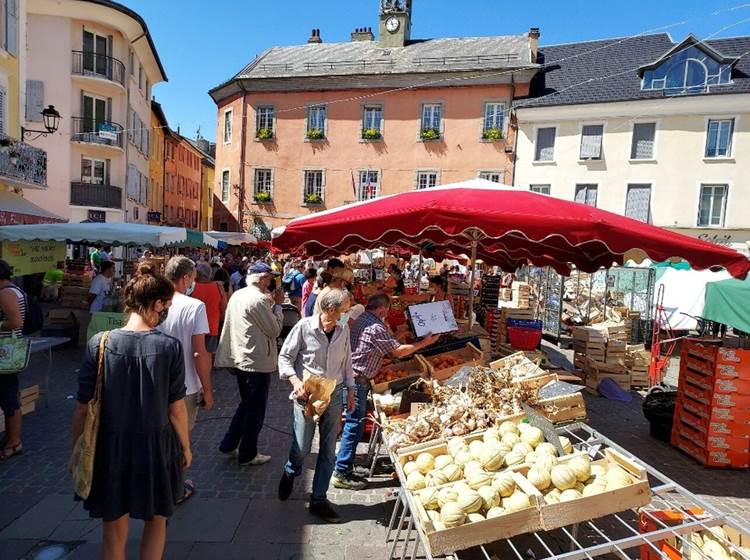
9,401
212,343
193,403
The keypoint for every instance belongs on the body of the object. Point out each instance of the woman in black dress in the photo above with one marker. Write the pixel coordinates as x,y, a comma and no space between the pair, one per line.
143,447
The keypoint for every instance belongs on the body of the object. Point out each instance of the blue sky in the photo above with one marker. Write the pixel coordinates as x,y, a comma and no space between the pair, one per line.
202,44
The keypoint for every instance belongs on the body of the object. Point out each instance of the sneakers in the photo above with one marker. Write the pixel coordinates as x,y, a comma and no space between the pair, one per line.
259,459
286,484
325,511
348,482
361,472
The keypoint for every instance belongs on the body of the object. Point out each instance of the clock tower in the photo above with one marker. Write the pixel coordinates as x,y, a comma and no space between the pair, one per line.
395,23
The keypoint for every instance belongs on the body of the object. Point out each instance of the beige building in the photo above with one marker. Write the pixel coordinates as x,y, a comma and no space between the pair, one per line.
95,61
667,142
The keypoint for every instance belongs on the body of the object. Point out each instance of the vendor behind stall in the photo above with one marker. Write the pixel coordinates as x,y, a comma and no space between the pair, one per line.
101,285
438,288
370,342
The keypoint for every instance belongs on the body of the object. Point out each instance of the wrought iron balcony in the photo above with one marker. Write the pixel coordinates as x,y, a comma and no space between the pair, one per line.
89,194
98,66
96,131
22,165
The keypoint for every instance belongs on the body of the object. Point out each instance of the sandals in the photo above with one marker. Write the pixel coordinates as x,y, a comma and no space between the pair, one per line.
189,491
10,451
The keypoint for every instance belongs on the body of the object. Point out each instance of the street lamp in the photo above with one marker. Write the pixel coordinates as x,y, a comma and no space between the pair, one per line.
51,119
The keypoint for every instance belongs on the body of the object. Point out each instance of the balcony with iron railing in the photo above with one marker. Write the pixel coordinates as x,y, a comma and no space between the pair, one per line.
91,194
95,131
22,165
93,65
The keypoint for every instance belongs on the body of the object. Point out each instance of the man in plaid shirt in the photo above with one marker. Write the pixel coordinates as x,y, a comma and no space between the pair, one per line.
371,342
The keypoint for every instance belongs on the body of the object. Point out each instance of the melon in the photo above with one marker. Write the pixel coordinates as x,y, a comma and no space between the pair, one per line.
451,515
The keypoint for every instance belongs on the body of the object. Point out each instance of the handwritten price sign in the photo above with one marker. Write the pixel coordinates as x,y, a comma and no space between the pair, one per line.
435,318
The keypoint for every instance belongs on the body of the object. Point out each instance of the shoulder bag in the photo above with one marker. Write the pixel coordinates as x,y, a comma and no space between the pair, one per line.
14,353
84,450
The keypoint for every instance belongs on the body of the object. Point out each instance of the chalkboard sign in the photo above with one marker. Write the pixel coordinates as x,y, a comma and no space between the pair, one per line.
550,434
436,318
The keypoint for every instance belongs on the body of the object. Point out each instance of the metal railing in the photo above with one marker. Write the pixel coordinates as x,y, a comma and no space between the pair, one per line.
90,194
99,66
96,131
22,162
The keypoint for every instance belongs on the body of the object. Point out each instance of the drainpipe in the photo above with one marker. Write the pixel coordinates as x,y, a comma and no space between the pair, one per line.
241,191
515,135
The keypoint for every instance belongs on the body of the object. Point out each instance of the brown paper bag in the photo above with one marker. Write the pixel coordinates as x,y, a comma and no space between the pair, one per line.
319,391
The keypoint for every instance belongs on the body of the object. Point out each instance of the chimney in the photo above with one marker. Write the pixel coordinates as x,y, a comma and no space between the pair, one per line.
534,35
363,34
315,37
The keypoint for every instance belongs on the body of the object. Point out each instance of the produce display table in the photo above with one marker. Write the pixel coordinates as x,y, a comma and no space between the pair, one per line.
612,535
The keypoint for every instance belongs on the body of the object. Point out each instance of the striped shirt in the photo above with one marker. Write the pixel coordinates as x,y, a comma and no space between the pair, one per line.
371,342
22,304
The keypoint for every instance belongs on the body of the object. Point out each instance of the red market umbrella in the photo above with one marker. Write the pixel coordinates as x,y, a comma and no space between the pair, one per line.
508,223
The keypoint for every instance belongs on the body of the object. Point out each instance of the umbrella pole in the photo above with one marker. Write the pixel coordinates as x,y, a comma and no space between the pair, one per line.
474,244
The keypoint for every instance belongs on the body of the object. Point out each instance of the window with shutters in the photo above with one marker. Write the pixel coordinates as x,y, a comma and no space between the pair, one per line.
264,122
9,25
638,202
642,146
372,122
368,186
712,206
228,126
3,110
541,189
586,194
93,171
494,176
591,142
719,138
225,186
34,100
316,122
544,149
313,186
427,179
263,186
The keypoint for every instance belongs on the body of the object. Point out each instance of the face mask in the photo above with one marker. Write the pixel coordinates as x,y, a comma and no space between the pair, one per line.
343,320
162,316
191,289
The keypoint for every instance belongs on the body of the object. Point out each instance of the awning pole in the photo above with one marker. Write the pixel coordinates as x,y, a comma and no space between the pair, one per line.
419,274
474,244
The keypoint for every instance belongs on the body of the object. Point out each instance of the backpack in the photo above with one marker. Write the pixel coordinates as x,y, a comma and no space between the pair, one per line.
33,320
288,283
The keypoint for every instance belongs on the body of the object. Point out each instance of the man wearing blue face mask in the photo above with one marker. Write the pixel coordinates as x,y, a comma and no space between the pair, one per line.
187,322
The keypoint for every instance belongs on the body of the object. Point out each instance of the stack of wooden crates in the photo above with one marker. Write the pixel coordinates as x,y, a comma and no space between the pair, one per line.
75,291
638,361
599,351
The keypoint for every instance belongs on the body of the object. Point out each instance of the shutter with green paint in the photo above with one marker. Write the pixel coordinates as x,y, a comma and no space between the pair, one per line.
34,100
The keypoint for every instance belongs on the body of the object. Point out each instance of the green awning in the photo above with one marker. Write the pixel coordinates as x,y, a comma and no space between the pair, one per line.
728,303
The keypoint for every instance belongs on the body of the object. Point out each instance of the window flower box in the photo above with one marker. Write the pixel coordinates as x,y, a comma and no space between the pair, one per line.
315,134
262,197
264,134
429,134
313,200
371,134
493,134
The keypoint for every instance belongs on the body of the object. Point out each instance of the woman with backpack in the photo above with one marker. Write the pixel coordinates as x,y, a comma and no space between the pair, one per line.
12,315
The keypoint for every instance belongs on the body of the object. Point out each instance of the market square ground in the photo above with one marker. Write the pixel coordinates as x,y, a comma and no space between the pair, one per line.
235,513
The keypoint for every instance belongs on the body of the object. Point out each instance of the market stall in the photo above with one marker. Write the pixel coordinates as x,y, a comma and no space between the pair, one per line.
482,453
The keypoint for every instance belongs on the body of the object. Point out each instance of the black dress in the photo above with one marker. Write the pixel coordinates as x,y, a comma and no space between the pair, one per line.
138,462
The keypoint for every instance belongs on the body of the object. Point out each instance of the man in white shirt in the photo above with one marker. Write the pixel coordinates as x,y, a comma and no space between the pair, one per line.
101,285
187,322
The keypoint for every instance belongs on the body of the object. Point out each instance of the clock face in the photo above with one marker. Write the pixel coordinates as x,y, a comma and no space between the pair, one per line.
392,24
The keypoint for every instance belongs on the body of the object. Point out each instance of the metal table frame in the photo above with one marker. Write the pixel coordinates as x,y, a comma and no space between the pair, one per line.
666,495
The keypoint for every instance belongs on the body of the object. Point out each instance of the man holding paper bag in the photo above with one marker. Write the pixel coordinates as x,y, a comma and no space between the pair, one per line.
316,359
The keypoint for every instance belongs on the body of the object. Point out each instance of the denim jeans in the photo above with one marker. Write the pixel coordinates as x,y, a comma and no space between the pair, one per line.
354,427
304,430
248,419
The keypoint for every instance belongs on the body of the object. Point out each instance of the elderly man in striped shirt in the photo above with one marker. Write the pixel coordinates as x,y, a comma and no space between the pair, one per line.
371,342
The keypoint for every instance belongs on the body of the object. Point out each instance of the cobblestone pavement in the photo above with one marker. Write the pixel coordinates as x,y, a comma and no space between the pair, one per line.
235,513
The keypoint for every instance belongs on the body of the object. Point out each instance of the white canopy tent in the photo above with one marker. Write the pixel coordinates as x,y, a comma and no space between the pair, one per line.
234,237
115,234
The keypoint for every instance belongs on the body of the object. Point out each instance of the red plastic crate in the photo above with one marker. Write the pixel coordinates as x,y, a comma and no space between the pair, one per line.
524,339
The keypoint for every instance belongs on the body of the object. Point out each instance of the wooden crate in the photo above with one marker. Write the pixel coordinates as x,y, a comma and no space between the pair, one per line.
469,355
415,368
28,397
596,371
563,409
447,541
554,516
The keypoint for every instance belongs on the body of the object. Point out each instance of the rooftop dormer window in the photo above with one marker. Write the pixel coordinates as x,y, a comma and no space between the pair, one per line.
688,70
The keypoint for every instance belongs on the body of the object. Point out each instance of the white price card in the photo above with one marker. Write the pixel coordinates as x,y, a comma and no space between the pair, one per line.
436,318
